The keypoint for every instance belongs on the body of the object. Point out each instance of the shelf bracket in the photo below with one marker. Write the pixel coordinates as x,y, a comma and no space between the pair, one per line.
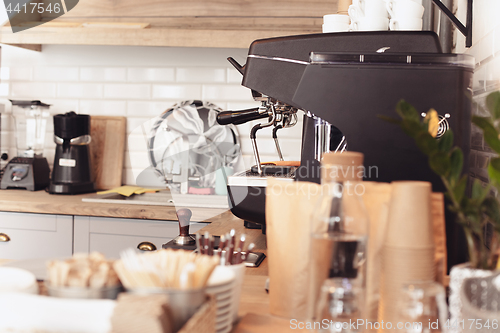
32,47
465,30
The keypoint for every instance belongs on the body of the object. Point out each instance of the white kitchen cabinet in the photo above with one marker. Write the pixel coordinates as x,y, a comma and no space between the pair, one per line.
112,235
27,236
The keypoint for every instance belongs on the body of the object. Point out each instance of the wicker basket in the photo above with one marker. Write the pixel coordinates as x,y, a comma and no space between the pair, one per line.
203,321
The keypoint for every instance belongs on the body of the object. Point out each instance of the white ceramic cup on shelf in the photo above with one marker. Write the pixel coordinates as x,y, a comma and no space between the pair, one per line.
400,9
355,13
407,23
335,18
335,27
372,23
370,8
335,23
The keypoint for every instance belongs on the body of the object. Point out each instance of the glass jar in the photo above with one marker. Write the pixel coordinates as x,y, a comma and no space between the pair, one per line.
339,305
340,230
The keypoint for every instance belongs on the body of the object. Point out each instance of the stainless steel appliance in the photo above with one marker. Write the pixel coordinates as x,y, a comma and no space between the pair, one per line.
29,170
72,173
342,81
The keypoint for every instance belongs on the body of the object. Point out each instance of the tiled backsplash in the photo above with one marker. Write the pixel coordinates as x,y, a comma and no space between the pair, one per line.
137,82
486,51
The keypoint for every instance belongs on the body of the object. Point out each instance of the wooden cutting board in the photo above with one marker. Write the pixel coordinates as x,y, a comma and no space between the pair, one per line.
107,150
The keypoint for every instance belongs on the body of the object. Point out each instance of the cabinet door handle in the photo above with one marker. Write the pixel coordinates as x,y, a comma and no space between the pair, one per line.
146,246
4,237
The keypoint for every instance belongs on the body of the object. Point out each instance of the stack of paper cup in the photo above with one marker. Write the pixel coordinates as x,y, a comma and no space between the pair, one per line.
408,251
335,23
405,14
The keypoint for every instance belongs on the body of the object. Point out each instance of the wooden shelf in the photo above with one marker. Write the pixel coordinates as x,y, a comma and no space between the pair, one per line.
200,32
186,23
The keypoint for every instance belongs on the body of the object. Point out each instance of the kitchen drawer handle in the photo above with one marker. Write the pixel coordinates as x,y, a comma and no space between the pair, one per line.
4,237
146,246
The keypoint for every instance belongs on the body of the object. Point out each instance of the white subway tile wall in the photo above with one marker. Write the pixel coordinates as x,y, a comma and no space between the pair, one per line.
486,50
151,74
136,82
94,74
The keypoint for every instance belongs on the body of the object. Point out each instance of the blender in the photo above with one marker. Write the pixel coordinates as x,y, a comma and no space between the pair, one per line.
29,170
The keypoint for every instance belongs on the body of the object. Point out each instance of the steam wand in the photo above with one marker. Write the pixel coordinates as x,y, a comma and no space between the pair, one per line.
253,137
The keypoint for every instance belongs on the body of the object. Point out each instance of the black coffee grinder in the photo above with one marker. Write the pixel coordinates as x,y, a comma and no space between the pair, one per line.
72,173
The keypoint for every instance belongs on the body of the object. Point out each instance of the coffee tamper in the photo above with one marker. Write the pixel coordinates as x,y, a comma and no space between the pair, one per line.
184,238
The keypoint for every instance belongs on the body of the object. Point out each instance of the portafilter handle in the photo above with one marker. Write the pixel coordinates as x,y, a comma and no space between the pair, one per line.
241,116
184,218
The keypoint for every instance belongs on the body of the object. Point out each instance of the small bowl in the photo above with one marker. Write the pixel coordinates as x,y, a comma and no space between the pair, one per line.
84,293
14,279
183,303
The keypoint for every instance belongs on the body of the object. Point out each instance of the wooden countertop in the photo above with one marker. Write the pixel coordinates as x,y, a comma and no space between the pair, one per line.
45,203
254,299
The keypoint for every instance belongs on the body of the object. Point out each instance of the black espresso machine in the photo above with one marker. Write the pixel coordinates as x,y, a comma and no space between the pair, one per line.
342,82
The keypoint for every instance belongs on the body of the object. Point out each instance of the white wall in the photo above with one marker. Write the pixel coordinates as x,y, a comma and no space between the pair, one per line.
136,82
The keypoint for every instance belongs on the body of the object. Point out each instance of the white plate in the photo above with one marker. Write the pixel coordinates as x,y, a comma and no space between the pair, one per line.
226,317
220,289
223,295
36,266
222,324
223,302
226,322
14,279
225,330
220,277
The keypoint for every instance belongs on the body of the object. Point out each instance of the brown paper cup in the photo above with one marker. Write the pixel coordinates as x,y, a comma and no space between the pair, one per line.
376,198
410,219
289,208
408,254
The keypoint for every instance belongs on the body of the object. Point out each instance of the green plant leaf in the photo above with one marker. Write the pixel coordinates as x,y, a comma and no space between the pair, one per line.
389,119
457,162
426,143
479,192
493,104
489,132
494,170
411,127
407,111
492,210
440,163
445,143
459,189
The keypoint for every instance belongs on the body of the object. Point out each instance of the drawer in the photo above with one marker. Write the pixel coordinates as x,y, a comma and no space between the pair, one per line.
113,235
112,245
36,236
26,221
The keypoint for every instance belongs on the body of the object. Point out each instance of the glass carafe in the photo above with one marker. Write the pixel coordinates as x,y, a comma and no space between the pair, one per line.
31,123
340,234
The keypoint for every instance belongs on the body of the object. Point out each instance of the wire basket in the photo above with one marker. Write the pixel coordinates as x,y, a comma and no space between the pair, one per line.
203,321
481,304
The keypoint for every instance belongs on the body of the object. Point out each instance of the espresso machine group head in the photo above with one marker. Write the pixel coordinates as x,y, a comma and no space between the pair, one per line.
342,82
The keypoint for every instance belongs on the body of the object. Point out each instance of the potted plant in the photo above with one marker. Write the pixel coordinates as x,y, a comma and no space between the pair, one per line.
474,211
